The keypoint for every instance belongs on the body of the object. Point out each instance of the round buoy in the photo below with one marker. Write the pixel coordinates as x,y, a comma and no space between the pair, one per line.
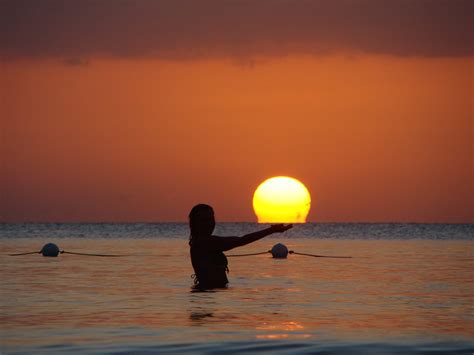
279,251
50,249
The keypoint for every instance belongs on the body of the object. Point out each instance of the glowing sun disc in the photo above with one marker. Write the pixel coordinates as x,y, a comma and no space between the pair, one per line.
281,199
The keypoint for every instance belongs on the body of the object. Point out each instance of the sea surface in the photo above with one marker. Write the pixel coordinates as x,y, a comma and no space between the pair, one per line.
408,288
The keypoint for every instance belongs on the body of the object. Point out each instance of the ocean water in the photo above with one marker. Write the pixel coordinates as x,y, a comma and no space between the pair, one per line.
408,288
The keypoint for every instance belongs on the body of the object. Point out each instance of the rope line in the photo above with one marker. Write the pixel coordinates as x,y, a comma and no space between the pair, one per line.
70,252
263,252
33,252
89,254
320,256
232,255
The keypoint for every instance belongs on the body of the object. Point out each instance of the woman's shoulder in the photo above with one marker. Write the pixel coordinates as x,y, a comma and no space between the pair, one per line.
208,242
217,237
216,243
203,242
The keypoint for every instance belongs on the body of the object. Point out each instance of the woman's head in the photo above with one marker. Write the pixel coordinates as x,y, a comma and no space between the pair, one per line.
201,221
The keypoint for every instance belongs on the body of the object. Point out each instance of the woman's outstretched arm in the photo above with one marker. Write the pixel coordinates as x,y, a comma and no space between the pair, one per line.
227,243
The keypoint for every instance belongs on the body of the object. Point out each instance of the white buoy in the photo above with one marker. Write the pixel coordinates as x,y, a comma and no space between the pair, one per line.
279,251
50,249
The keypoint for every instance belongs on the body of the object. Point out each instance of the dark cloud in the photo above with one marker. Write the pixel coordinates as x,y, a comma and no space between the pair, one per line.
179,29
76,62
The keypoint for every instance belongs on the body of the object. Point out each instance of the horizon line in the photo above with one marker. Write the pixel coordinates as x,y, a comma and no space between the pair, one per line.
221,222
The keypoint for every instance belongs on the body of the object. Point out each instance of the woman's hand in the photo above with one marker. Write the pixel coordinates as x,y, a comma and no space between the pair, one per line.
280,228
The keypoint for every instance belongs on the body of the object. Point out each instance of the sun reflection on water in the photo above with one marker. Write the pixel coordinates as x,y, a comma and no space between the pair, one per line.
281,330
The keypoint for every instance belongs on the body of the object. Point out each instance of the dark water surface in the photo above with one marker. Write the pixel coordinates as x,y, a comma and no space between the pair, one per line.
408,289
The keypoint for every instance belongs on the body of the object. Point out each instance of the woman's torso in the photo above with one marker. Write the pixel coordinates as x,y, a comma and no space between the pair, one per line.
209,264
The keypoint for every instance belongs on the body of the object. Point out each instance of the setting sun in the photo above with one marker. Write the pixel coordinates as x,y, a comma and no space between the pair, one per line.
281,199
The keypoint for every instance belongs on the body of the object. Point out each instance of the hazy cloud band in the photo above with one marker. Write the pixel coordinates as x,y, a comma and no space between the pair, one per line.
180,29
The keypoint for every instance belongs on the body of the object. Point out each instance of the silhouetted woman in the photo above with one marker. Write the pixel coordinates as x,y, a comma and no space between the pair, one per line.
207,257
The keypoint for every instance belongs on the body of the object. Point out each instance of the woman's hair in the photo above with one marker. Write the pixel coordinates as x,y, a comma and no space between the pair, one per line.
195,220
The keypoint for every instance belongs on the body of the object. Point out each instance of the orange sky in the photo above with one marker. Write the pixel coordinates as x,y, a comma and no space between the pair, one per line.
373,137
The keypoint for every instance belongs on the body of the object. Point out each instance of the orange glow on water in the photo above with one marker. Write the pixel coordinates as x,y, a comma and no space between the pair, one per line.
400,291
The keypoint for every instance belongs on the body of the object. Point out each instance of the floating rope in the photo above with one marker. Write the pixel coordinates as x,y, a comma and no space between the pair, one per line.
320,256
295,253
52,250
263,252
70,252
88,254
279,251
33,252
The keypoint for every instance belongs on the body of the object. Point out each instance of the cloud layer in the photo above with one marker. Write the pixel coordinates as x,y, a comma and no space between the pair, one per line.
180,29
